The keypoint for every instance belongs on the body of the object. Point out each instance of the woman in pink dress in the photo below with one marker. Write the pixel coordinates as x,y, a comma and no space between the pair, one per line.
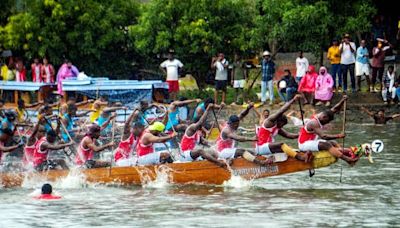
307,85
323,87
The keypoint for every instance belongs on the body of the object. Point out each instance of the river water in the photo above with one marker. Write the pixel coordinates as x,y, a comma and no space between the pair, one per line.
369,195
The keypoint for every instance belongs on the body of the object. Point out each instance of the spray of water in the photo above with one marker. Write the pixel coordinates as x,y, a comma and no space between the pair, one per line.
163,178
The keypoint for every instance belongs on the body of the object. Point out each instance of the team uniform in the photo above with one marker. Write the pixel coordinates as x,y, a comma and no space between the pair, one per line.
265,137
187,146
84,156
27,158
40,161
146,153
308,141
123,154
225,147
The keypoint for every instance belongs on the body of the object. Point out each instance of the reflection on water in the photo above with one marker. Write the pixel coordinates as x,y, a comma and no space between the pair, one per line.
367,196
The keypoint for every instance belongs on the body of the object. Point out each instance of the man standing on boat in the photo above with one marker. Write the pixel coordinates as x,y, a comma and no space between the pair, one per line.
272,126
130,137
227,138
308,136
145,148
87,148
192,137
171,68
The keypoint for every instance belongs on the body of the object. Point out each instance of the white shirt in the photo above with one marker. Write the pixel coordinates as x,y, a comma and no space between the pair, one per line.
172,68
301,66
221,73
347,57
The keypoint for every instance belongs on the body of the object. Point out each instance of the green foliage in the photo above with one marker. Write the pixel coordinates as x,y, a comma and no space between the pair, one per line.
91,33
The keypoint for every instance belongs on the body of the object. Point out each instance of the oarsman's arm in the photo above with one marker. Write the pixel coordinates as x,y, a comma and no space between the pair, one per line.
196,126
84,113
58,146
149,138
84,102
33,105
90,144
239,138
113,109
9,148
273,117
317,130
127,126
371,114
337,107
257,113
182,103
288,135
32,137
246,111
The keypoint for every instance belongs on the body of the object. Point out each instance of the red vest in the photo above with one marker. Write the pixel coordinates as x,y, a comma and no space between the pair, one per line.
125,147
267,135
83,154
143,149
305,135
189,143
224,143
39,156
47,197
29,152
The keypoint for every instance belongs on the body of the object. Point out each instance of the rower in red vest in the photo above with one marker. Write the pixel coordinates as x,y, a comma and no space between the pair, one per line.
41,152
273,126
227,137
145,150
38,132
87,148
124,153
47,191
192,137
308,136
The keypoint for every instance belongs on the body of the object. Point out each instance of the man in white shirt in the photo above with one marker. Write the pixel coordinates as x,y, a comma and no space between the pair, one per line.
347,61
220,64
301,66
171,68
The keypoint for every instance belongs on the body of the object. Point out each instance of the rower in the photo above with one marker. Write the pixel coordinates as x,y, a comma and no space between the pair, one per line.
144,106
193,136
201,108
72,101
145,148
227,137
97,108
130,136
272,126
22,114
87,148
104,120
308,136
379,116
262,116
8,125
174,123
38,132
41,152
68,124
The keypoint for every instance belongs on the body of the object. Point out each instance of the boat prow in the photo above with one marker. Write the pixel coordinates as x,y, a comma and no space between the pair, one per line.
199,172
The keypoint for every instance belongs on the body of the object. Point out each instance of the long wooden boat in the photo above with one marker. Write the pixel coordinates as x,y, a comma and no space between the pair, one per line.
199,172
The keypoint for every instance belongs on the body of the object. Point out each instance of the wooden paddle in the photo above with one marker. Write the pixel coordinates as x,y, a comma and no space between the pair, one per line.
344,132
112,148
311,171
214,131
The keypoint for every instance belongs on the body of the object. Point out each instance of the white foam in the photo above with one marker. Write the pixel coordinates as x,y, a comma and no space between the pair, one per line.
162,179
74,179
237,182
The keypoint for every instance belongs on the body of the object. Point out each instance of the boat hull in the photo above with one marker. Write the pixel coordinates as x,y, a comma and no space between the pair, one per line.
199,172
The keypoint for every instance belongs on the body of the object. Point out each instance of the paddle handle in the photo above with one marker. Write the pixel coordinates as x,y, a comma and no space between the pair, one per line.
301,112
344,121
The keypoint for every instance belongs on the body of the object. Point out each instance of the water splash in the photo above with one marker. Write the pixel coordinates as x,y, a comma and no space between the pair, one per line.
237,182
74,179
162,178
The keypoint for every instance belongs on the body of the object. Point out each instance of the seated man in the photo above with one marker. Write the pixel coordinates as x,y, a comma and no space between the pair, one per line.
145,148
287,86
193,136
272,126
41,152
227,137
174,123
308,136
201,108
124,153
87,148
379,117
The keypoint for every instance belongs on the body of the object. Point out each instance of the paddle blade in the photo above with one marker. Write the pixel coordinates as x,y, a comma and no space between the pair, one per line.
213,135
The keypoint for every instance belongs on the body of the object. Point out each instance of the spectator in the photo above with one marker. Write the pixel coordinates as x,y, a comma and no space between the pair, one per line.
239,76
324,87
220,64
388,85
35,70
20,73
307,85
47,71
171,68
301,66
334,58
66,71
268,71
378,61
347,61
11,72
287,86
362,65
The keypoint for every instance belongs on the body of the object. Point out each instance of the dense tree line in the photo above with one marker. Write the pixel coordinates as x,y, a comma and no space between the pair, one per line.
114,37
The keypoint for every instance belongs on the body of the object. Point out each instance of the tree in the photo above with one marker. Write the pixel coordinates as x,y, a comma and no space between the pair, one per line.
195,29
93,34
